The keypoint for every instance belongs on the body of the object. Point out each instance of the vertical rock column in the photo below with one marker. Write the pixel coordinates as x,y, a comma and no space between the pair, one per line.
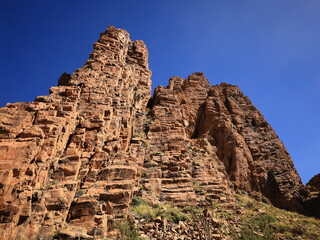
181,168
70,158
111,114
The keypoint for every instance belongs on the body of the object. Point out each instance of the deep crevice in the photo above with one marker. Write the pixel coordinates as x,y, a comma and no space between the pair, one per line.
198,121
22,219
150,103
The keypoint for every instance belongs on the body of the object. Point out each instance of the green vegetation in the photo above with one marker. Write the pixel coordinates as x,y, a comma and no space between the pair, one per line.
147,120
79,193
172,214
248,219
56,234
128,231
191,210
145,211
261,224
148,111
261,221
144,174
136,135
136,201
196,186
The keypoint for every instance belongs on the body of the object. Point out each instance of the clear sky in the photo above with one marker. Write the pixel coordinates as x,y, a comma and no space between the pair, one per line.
270,49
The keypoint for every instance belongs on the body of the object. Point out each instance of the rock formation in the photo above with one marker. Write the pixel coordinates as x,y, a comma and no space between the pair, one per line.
71,161
204,134
312,196
314,183
70,157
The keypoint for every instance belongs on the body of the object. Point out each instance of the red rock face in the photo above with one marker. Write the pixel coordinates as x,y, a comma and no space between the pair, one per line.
254,157
181,168
73,159
68,157
195,126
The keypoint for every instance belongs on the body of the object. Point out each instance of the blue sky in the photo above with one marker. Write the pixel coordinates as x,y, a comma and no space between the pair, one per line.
270,49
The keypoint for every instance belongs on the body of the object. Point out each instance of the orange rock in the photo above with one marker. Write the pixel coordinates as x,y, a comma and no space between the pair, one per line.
72,161
54,150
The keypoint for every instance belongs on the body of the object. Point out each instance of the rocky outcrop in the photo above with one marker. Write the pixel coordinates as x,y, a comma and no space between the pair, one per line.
181,168
70,158
312,196
71,161
211,141
314,183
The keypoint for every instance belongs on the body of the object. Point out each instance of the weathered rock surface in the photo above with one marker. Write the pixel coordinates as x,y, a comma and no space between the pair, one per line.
67,158
181,168
203,134
71,161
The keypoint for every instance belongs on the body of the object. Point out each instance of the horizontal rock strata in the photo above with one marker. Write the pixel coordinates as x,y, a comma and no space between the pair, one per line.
207,135
70,162
70,158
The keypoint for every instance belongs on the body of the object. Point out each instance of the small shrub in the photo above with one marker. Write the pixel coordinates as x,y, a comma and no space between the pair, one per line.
137,134
145,211
191,210
157,205
248,234
79,193
128,231
136,201
142,188
56,234
144,175
264,220
174,215
281,227
225,215
259,224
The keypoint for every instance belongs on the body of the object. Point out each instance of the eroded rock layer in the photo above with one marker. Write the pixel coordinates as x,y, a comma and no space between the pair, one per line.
70,157
204,134
181,168
71,161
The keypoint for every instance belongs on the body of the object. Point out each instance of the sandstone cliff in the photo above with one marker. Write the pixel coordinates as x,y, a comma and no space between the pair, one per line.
196,127
72,160
70,156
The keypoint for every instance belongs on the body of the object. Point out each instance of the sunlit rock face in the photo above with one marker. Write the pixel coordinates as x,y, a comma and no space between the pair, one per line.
68,158
211,138
71,161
